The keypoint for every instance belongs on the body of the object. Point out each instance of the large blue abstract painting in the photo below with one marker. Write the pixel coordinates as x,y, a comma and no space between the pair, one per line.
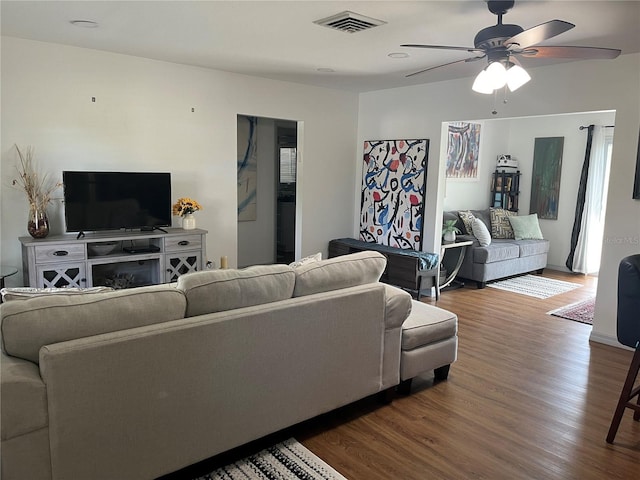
247,168
393,192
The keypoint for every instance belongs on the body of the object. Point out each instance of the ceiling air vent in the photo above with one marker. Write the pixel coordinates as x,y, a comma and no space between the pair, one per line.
349,22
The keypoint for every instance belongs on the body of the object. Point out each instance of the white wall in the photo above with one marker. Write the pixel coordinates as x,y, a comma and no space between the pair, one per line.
517,137
597,85
142,120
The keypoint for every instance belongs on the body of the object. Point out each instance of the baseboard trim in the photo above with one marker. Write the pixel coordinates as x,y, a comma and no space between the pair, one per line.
558,268
607,340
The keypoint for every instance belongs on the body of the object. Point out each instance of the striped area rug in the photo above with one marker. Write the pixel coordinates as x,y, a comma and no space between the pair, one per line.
288,460
534,286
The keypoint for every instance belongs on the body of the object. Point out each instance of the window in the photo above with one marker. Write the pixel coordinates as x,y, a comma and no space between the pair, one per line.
288,165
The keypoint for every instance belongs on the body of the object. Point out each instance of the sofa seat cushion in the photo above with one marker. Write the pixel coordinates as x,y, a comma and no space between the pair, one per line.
213,291
339,272
24,398
498,251
30,324
533,247
426,325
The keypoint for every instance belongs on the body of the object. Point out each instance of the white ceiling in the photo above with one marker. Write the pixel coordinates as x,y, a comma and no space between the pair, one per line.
278,39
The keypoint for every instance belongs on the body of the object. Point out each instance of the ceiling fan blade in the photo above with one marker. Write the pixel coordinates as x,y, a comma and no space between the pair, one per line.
539,33
444,47
472,59
589,53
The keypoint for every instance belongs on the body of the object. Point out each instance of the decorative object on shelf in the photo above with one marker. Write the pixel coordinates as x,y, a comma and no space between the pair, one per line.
38,222
449,230
101,248
393,192
505,163
120,280
186,207
39,188
188,221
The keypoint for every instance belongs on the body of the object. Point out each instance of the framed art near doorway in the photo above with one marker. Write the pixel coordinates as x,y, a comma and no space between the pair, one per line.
636,183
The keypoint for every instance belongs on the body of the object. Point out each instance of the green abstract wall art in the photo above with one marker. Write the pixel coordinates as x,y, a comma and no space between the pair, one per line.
545,178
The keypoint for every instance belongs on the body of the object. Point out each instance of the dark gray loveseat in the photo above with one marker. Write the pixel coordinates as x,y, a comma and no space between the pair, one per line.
502,257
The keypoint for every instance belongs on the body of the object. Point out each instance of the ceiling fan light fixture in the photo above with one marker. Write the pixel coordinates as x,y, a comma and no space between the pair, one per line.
516,77
497,75
482,83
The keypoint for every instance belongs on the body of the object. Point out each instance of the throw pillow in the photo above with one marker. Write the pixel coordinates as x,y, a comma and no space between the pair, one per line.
481,232
500,225
526,227
467,218
310,259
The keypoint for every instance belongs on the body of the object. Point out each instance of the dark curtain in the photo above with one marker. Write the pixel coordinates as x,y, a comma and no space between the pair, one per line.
582,190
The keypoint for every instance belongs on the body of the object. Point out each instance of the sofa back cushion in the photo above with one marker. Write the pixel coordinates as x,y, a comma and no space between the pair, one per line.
212,291
31,324
339,272
25,293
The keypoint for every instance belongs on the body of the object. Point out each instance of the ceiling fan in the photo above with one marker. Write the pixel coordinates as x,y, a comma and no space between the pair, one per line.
502,43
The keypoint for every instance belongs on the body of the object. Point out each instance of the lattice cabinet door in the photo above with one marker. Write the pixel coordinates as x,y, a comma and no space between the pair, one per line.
61,276
177,265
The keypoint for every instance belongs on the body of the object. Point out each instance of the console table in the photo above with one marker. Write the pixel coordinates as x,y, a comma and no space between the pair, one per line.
461,249
118,259
405,268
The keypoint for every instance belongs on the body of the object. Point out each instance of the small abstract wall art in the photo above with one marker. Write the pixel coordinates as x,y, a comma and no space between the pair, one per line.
463,148
636,183
545,178
247,168
393,192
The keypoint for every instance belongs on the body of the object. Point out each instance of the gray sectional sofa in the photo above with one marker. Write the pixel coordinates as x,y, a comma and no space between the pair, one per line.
138,383
502,257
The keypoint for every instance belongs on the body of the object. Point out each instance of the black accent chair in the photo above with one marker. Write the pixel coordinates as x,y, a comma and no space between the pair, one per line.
628,330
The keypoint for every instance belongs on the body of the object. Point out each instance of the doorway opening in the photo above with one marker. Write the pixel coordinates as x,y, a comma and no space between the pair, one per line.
267,177
286,191
516,137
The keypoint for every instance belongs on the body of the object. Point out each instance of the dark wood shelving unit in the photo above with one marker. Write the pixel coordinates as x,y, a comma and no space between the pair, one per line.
505,189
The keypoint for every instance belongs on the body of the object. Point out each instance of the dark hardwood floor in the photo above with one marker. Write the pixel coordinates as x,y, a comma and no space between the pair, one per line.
529,398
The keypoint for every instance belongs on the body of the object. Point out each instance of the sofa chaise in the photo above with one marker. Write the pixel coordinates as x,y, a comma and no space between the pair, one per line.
505,255
138,383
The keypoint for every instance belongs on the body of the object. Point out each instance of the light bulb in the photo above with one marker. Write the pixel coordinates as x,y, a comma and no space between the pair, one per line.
482,83
497,74
516,77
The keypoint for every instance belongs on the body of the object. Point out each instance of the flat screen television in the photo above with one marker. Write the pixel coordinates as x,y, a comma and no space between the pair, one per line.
116,200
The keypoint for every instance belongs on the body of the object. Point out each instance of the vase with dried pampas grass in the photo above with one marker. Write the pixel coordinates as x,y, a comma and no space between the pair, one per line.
39,189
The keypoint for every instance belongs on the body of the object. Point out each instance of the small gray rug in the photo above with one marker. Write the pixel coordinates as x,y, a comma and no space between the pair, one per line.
535,286
288,460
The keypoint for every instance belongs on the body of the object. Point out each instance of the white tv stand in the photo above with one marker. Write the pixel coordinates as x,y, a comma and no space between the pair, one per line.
138,258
